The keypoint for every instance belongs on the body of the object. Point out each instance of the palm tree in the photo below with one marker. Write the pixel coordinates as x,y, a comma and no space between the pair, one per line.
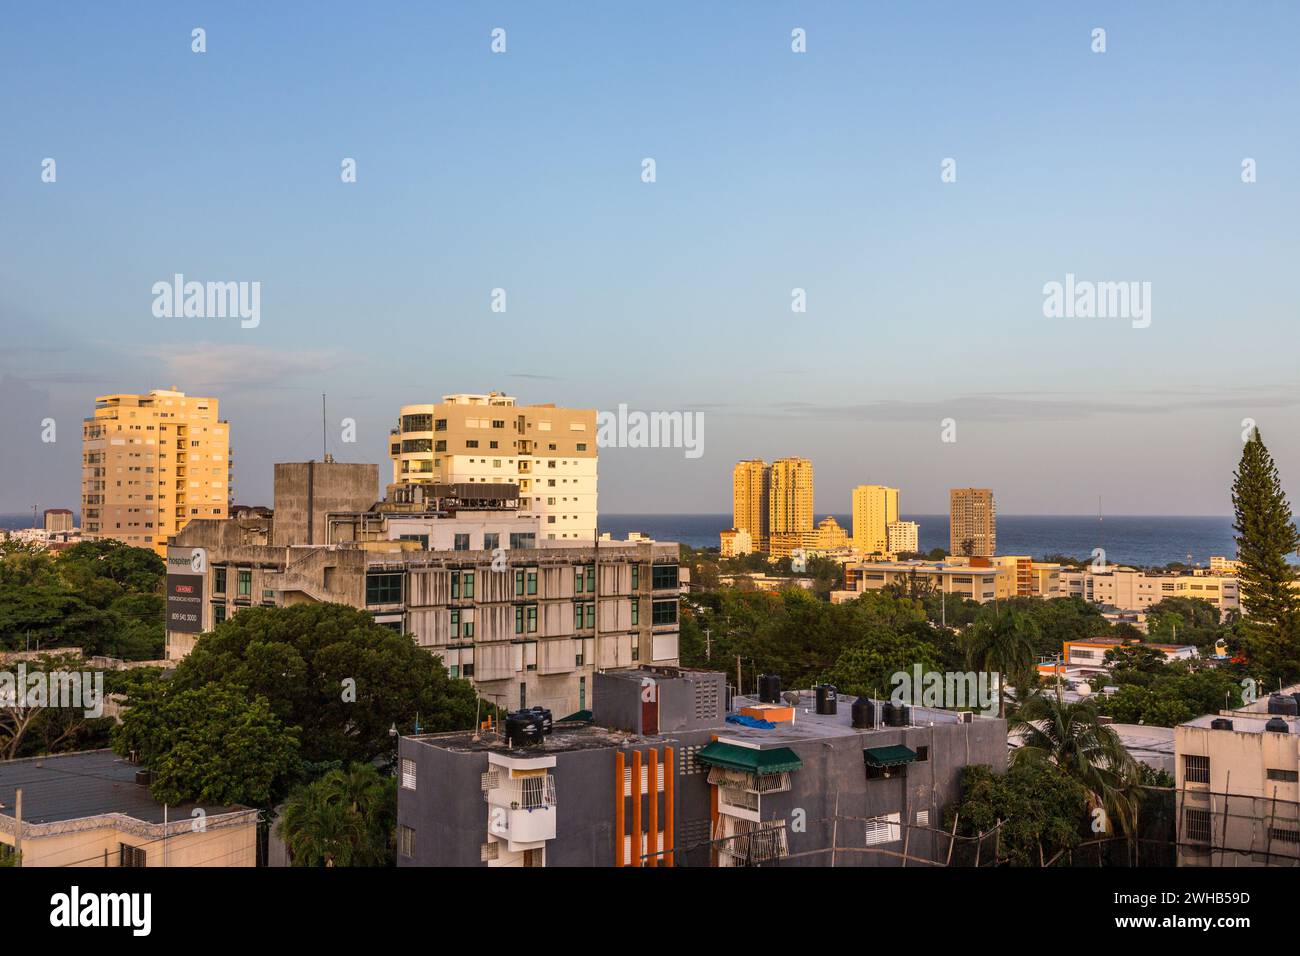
1069,736
319,831
1001,643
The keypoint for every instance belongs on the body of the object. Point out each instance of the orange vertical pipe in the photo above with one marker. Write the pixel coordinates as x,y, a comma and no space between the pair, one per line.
652,825
618,809
636,808
670,812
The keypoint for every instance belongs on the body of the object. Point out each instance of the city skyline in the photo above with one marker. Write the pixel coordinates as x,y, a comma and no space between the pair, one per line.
776,171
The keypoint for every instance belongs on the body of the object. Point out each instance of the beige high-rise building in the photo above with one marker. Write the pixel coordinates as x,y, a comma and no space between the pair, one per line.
549,452
790,506
972,522
904,537
875,507
152,463
749,488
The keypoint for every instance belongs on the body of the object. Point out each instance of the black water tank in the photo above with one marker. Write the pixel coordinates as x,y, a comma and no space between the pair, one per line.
864,713
544,716
1277,725
769,689
1282,704
1220,723
896,715
827,702
523,729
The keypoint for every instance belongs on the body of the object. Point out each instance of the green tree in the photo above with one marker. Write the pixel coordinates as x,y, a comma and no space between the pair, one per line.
208,745
1001,642
345,818
1041,812
1266,536
333,672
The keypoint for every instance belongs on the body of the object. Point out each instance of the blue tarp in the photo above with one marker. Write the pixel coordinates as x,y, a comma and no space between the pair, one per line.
745,721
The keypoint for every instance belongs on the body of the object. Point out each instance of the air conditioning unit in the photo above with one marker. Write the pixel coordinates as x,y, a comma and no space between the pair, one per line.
966,717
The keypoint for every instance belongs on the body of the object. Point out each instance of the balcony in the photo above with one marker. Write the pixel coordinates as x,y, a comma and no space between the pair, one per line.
521,810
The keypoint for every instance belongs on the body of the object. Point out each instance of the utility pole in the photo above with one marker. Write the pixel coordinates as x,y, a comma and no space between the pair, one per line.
18,827
708,644
740,687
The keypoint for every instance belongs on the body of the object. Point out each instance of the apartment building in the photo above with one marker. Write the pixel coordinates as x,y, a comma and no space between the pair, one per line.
735,542
875,507
1236,784
152,463
1022,576
1127,589
460,568
94,809
965,580
972,522
749,501
658,776
790,506
549,452
903,537
58,521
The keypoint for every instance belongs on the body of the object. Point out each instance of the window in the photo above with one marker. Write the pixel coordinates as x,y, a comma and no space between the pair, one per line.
884,829
218,614
636,577
523,539
636,612
532,618
663,612
440,425
519,619
417,423
405,840
491,540
384,588
1284,836
408,774
467,579
664,577
471,443
462,542
922,754
1196,769
245,583
1285,776
218,580
414,445
455,624
584,612
439,445
532,582
128,855
519,583
1197,824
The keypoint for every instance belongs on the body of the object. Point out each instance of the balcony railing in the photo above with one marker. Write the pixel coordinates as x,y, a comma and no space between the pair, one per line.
521,793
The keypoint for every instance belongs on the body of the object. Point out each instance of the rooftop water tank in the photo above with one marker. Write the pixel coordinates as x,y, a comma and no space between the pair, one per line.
523,729
544,716
1282,704
864,713
827,702
1276,725
1220,723
769,689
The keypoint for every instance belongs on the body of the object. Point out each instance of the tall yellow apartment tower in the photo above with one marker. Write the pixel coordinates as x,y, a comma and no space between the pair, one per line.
874,508
549,452
790,506
972,522
150,463
749,501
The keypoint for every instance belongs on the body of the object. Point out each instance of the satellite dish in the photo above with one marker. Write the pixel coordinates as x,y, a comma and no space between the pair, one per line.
1084,689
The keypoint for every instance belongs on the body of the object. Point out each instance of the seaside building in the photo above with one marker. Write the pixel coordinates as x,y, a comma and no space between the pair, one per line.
972,522
968,580
830,536
790,506
58,520
152,463
1127,589
735,542
875,507
903,537
749,502
550,453
662,774
461,568
1024,577
92,808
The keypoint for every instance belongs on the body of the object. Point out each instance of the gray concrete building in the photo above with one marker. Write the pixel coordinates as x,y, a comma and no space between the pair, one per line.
457,567
665,774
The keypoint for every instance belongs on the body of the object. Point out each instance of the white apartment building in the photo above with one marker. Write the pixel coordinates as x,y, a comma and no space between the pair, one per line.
1132,590
549,452
903,536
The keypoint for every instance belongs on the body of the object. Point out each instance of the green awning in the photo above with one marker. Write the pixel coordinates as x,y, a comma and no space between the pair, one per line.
888,756
749,760
581,716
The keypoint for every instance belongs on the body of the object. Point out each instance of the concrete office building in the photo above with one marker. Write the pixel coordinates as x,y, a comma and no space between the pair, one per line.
1127,589
549,452
977,583
150,464
972,522
1237,786
93,809
461,568
659,777
875,507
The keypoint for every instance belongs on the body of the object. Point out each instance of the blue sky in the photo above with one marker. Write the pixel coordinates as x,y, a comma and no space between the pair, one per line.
775,170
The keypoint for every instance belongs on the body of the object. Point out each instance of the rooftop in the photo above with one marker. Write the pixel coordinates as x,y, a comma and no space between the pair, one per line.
89,783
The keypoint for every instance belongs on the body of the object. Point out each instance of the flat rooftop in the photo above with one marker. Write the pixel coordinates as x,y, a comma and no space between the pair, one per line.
1242,722
85,784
